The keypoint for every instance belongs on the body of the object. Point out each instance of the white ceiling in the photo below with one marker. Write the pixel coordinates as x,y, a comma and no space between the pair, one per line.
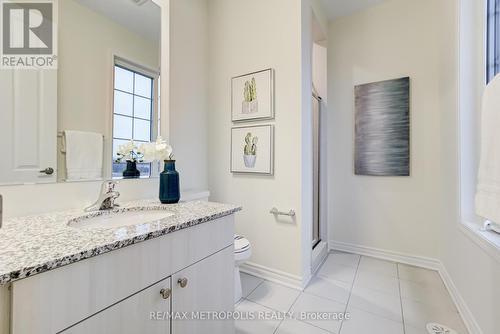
338,8
144,20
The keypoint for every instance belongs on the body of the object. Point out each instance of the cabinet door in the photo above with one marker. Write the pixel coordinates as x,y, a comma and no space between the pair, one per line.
208,288
144,312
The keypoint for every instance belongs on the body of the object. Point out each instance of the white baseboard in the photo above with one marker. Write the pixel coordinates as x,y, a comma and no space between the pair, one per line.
273,275
319,255
463,309
418,261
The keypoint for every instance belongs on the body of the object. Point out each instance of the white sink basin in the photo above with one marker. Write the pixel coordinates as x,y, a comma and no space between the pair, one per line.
120,218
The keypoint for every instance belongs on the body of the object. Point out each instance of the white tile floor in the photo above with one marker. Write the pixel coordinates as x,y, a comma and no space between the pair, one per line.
381,297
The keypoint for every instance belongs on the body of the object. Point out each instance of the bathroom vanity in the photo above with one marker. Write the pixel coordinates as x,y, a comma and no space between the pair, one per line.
166,272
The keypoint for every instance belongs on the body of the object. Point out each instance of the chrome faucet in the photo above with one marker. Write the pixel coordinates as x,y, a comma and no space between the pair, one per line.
107,197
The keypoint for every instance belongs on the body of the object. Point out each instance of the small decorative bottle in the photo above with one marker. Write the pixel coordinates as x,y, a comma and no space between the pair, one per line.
169,184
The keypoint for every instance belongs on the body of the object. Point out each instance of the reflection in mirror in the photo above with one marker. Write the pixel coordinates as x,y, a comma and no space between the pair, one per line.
67,124
135,113
109,69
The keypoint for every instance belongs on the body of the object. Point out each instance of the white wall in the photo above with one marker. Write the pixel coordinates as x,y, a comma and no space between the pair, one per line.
419,215
475,271
189,90
472,84
391,40
86,68
245,37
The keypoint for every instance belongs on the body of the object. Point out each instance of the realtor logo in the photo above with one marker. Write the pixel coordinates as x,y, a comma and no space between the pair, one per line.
28,34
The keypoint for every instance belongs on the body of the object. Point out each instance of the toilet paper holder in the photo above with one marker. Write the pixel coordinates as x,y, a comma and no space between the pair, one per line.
276,212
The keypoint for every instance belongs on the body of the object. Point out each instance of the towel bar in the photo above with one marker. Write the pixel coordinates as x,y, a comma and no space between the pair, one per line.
60,134
275,211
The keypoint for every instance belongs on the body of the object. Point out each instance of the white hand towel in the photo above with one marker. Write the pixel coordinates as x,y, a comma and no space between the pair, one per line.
84,155
488,181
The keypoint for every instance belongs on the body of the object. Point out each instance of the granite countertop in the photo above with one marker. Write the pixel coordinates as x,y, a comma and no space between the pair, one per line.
35,244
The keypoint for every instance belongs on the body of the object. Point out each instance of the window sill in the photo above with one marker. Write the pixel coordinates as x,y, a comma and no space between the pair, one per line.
136,178
489,241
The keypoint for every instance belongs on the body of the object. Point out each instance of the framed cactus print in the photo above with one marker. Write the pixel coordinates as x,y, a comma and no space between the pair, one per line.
252,96
252,149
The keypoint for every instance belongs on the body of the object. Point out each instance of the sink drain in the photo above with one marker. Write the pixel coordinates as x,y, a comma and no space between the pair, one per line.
434,328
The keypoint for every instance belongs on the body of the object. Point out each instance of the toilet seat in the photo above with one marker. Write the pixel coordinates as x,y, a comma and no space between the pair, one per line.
241,244
242,253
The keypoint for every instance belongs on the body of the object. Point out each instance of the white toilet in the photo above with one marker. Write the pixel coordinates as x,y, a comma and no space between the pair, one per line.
242,252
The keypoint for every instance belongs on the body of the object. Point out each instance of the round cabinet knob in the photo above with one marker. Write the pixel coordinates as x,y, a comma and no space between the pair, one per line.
48,171
165,293
183,282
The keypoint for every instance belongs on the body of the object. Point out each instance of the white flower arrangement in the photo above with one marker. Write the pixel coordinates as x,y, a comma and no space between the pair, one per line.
129,152
157,151
147,152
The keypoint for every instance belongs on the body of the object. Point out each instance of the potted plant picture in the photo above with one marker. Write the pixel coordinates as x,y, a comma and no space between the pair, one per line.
250,105
250,150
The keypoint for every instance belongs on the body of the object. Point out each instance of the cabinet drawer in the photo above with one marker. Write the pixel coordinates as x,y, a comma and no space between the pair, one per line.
53,301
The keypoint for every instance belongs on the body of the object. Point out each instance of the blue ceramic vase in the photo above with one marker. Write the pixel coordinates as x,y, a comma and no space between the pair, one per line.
169,184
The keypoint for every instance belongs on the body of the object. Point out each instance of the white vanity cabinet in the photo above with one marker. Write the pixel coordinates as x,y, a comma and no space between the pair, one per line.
118,292
197,292
206,292
132,315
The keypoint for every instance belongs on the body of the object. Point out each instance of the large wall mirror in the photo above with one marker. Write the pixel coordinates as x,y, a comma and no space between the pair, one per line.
69,124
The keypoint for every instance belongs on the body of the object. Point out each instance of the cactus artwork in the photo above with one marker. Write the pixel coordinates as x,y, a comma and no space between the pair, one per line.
250,150
250,92
252,96
250,104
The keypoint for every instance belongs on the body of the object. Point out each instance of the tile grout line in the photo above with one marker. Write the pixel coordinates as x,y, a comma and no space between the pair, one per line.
313,295
253,290
350,293
310,294
401,300
289,309
304,322
270,308
264,306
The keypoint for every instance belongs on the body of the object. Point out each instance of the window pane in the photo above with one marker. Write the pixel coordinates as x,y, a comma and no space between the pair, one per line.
142,130
142,107
158,99
134,100
118,169
123,103
122,127
143,85
145,169
116,144
124,79
493,40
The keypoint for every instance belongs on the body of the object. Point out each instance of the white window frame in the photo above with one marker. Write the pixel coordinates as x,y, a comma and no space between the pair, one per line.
156,114
472,81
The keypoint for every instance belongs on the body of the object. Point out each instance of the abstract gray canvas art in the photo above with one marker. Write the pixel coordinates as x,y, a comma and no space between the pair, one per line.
382,128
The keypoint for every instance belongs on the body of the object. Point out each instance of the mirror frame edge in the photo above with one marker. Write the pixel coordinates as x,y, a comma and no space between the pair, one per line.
164,69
